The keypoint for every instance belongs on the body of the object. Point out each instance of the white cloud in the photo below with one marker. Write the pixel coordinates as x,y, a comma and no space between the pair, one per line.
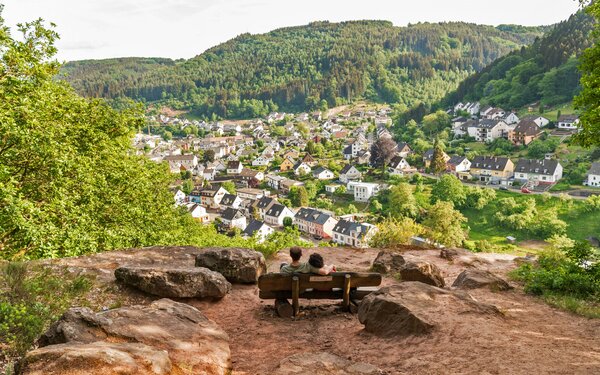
185,28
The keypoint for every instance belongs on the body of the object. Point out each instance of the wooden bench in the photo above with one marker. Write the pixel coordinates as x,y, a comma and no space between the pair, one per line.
347,286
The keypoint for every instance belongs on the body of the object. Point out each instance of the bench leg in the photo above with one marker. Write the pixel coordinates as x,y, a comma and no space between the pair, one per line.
346,297
283,308
296,294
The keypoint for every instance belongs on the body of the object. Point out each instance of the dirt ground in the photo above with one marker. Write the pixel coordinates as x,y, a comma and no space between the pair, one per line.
532,337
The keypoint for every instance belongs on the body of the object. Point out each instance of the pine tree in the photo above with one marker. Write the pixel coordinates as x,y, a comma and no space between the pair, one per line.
438,162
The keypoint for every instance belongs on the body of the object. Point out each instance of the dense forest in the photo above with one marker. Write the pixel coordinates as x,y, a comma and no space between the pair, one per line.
309,67
545,71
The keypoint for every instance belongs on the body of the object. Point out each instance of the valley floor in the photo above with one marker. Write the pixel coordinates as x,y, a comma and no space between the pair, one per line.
532,337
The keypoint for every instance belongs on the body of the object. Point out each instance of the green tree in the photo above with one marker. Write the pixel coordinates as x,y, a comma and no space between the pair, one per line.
402,202
478,197
444,224
187,186
438,162
449,189
395,232
209,156
588,101
298,196
229,186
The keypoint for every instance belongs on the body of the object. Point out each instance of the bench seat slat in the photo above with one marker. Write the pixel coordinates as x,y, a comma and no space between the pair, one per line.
276,282
336,293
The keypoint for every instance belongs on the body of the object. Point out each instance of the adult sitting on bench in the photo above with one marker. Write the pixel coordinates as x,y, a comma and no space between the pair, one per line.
295,283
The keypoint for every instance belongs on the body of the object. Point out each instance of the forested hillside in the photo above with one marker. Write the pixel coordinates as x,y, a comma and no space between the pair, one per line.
308,67
546,71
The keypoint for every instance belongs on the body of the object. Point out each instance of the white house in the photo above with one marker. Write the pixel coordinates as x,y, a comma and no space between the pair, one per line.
179,162
234,167
399,166
233,218
350,233
458,164
301,168
569,122
539,120
511,118
487,130
350,173
180,198
545,171
273,181
261,161
362,191
593,177
277,213
198,212
331,188
230,201
321,173
209,174
259,229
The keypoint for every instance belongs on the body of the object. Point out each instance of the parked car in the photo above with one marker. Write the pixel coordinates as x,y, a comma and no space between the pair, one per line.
503,188
525,191
317,237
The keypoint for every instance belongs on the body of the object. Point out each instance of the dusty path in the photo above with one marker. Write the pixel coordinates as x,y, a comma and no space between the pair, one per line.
533,338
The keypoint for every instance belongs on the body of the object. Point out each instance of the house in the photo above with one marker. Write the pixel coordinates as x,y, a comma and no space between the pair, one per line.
492,168
274,180
428,157
349,173
230,201
364,158
261,161
209,174
258,229
493,114
593,177
315,222
287,164
487,130
180,198
331,188
234,167
568,122
210,198
321,173
524,133
250,193
539,120
291,154
399,167
233,218
403,149
287,184
262,205
309,160
511,118
545,171
301,168
248,175
198,212
276,213
348,153
218,165
458,164
363,191
177,162
353,234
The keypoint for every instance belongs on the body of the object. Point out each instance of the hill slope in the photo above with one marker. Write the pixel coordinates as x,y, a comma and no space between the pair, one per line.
308,67
546,70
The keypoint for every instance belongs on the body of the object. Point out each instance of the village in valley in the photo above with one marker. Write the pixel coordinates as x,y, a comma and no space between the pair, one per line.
316,172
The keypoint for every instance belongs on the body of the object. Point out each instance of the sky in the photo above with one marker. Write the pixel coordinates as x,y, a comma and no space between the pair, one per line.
95,29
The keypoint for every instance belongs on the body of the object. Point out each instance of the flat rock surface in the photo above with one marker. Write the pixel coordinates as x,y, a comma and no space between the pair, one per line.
323,363
238,265
180,282
191,341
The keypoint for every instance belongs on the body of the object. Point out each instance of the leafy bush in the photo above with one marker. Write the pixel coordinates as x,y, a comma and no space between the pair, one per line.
395,232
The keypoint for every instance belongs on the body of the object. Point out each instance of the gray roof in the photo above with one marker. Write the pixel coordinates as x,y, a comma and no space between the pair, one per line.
494,163
345,227
264,202
544,166
487,123
312,215
275,210
456,160
228,199
595,168
346,168
527,127
253,226
231,214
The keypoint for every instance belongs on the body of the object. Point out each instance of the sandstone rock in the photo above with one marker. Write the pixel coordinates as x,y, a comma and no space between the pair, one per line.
194,343
387,262
414,308
192,282
100,357
473,279
451,254
238,265
323,364
422,271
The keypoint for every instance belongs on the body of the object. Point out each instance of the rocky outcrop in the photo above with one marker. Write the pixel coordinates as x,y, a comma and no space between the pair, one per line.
387,262
191,282
238,265
414,308
424,272
473,279
323,364
86,342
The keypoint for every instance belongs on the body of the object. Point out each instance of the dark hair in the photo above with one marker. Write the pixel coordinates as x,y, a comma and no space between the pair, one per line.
296,253
316,260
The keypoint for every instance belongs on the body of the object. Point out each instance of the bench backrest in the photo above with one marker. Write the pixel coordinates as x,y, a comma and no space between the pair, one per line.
279,282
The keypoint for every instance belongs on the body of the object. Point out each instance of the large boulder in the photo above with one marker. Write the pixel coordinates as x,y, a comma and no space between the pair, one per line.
414,308
322,363
107,358
190,282
238,265
424,272
192,342
387,262
473,279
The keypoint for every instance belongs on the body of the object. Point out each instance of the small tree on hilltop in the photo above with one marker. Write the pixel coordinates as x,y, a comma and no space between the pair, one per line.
438,162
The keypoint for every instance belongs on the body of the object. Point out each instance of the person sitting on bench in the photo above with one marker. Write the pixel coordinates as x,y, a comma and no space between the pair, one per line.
303,267
316,262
